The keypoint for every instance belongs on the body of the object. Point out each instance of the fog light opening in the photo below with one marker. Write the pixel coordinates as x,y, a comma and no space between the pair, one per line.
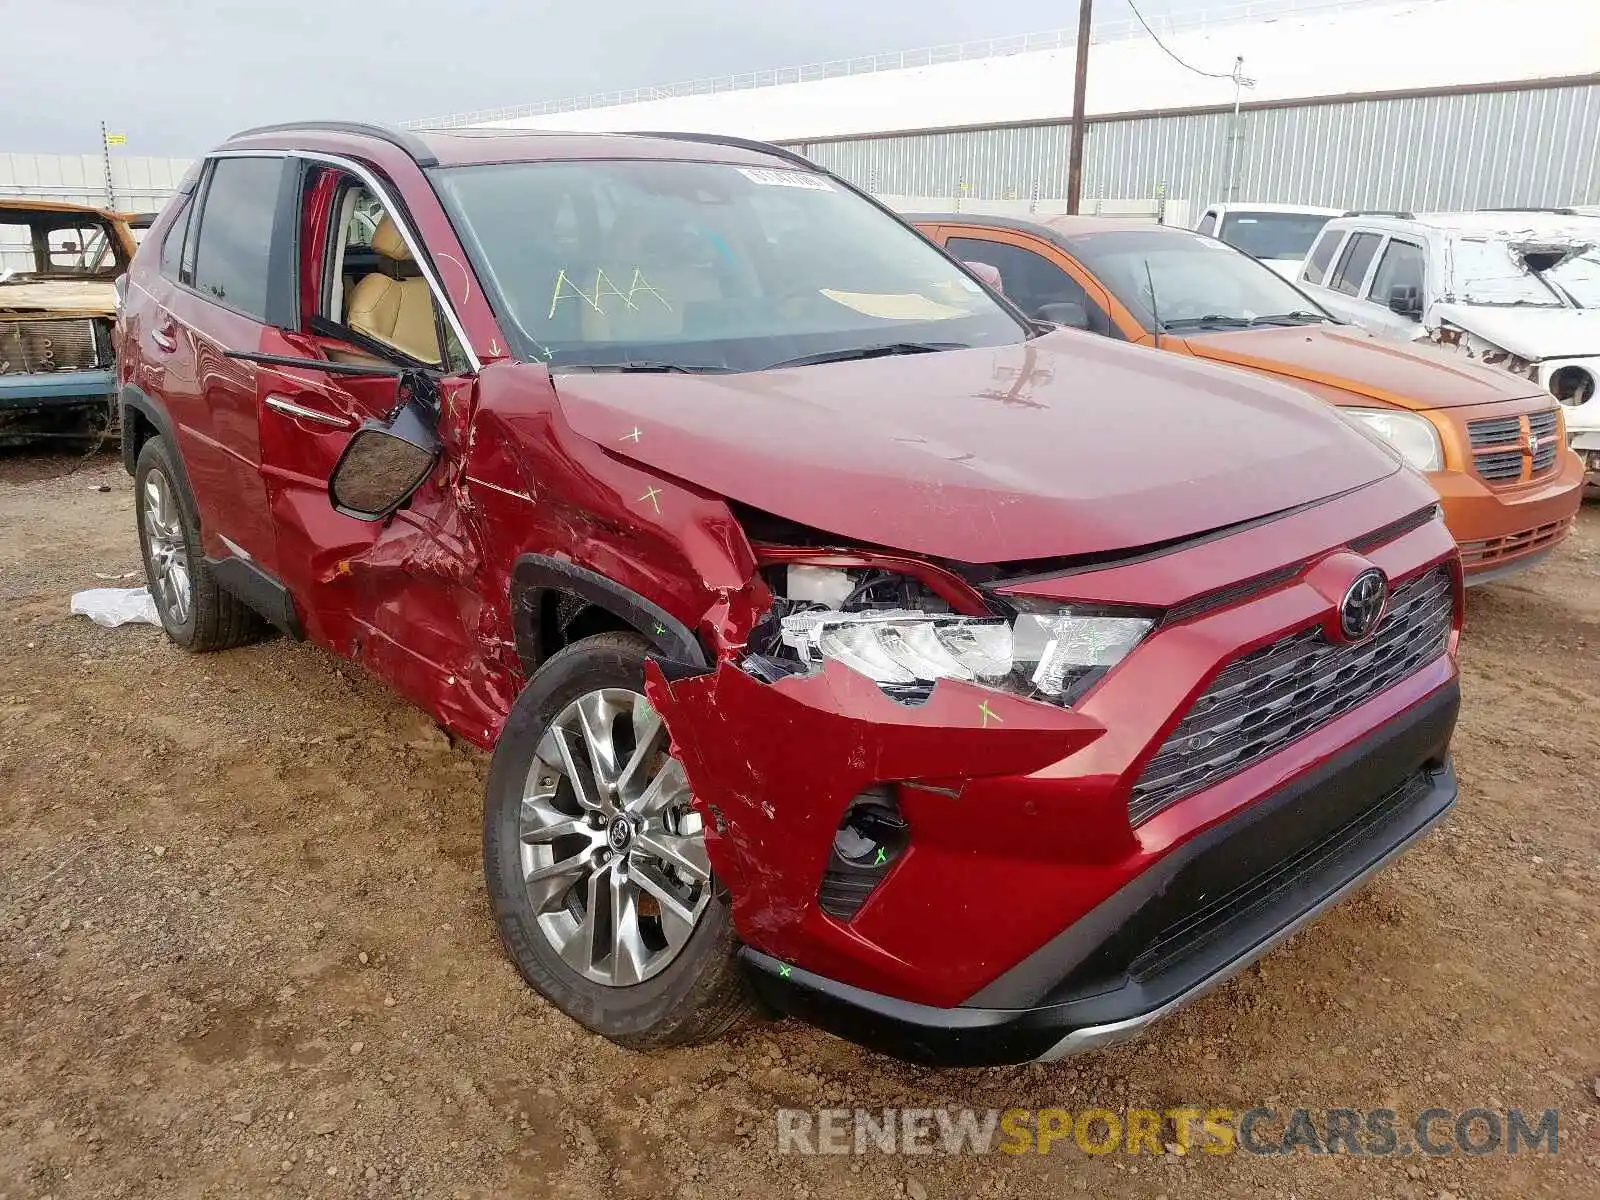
871,837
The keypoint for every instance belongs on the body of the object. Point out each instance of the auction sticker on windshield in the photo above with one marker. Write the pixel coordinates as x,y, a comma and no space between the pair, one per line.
768,177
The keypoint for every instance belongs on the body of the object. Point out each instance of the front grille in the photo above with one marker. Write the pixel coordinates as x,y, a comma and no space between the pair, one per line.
1524,541
1499,445
33,346
1543,426
1272,696
1504,465
1495,431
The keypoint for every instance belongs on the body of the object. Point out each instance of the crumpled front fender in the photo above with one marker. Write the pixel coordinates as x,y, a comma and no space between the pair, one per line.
773,768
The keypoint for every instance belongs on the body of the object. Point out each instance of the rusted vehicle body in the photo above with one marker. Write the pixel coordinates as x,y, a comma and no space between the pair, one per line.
59,264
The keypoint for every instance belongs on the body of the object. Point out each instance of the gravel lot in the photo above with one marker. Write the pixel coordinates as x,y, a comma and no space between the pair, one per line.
245,950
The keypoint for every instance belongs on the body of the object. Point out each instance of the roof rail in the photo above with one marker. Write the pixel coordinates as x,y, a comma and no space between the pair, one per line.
1531,208
1401,213
718,139
409,142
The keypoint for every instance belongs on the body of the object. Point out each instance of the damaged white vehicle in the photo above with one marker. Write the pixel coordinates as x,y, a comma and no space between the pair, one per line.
1515,288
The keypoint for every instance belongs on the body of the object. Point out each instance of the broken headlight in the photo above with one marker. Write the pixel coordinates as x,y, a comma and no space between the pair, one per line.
1047,652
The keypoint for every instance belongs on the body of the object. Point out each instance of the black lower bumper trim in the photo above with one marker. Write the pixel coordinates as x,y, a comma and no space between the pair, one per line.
1190,956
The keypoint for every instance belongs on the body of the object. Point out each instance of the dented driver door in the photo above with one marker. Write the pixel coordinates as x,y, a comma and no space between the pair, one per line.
397,595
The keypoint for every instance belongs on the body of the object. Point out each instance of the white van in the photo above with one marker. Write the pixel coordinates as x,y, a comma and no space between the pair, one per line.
1277,234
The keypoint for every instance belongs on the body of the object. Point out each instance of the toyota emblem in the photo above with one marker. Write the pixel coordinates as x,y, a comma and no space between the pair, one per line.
1363,606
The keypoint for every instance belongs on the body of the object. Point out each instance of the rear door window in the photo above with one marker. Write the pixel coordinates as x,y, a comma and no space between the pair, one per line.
1352,270
231,264
1322,255
172,244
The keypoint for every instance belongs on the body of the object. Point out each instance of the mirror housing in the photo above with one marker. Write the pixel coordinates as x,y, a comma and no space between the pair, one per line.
385,462
987,272
1064,312
1405,300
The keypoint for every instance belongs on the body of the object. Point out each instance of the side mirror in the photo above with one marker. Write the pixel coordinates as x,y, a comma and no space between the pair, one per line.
1405,300
1064,312
987,272
384,463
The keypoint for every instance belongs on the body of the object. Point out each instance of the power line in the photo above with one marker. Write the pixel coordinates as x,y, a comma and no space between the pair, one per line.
1186,66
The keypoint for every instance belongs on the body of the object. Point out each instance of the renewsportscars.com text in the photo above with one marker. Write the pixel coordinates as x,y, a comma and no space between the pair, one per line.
1379,1132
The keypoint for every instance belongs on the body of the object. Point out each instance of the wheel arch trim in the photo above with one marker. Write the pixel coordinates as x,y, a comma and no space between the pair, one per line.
534,575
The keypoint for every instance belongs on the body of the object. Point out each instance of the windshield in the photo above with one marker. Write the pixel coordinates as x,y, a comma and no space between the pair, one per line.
1198,283
1578,276
43,245
692,265
1493,271
1272,235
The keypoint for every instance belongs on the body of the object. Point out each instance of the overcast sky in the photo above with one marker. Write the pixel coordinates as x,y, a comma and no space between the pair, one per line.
177,76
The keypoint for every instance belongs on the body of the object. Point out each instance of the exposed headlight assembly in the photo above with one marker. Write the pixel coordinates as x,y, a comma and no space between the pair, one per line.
1413,437
1049,652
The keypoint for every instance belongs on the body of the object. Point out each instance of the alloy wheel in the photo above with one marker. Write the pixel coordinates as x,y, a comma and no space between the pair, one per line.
167,547
613,856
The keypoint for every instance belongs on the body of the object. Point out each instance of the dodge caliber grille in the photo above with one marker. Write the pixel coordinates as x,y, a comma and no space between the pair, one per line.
1499,445
27,347
1543,426
1272,696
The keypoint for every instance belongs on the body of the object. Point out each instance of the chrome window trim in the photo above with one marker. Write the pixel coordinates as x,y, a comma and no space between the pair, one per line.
413,243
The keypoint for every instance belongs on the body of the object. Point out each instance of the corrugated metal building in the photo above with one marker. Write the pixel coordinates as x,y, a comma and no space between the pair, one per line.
138,183
1533,146
1419,104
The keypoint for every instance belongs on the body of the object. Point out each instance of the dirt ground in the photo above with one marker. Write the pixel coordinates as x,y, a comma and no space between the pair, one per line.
245,950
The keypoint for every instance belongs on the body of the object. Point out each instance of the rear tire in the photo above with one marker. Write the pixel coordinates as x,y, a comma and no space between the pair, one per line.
195,611
635,945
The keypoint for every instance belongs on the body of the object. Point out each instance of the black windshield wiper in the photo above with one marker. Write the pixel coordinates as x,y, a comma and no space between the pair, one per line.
657,368
1209,319
884,351
1298,317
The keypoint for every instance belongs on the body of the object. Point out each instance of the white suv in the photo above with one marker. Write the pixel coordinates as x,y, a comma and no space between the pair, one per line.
1515,288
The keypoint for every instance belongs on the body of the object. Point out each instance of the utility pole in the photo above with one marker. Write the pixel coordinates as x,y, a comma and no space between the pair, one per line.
1079,87
105,151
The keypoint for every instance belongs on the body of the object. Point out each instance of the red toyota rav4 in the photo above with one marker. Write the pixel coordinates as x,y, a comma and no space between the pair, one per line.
843,642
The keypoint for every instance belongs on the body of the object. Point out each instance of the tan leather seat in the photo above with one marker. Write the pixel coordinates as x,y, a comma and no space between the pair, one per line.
394,306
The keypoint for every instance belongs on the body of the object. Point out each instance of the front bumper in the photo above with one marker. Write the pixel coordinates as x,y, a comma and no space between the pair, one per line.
1505,530
1202,913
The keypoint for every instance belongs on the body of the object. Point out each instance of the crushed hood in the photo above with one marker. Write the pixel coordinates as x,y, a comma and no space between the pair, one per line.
1367,366
1069,444
1531,333
66,298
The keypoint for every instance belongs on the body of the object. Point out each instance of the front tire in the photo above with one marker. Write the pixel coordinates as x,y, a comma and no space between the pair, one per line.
194,609
595,861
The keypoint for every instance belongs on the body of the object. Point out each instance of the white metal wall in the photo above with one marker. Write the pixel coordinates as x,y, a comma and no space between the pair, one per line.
1465,150
138,184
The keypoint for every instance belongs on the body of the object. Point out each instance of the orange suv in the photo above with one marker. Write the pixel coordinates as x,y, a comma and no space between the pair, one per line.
1492,445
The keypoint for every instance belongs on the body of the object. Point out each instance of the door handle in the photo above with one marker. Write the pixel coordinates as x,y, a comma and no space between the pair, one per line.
163,339
299,412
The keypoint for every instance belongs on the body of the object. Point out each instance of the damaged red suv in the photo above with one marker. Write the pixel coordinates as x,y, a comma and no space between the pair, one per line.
846,647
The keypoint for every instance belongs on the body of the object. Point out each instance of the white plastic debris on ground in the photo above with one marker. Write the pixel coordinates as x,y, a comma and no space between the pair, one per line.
116,606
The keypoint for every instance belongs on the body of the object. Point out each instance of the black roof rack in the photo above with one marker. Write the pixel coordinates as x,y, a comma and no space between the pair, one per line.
717,139
1401,213
1532,208
409,142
